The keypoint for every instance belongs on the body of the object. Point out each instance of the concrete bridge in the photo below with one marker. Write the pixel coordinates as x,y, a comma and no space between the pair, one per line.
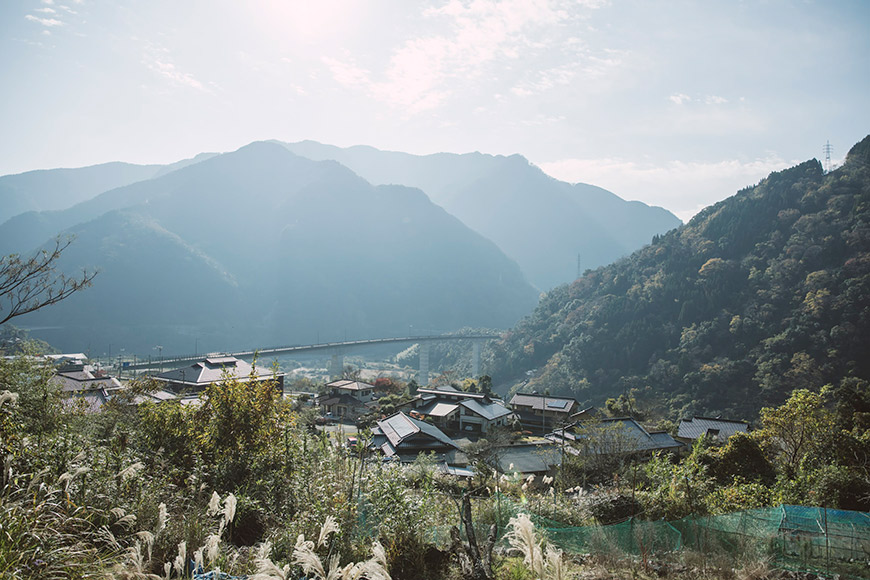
337,350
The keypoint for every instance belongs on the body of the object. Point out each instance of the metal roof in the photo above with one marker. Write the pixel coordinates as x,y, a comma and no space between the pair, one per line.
457,471
490,412
438,409
541,402
400,427
720,428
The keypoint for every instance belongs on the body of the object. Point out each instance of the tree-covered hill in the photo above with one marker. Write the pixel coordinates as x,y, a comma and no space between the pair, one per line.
760,294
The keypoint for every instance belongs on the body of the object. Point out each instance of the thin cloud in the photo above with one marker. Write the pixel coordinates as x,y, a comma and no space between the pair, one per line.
680,98
158,59
479,39
588,68
346,73
171,72
49,22
715,100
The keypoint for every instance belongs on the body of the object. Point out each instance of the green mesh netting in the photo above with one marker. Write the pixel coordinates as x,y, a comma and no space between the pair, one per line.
795,537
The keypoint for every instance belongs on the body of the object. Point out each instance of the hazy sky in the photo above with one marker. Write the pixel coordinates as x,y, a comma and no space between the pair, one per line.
675,103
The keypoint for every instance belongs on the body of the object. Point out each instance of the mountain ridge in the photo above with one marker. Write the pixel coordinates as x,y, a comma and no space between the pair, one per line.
261,246
596,224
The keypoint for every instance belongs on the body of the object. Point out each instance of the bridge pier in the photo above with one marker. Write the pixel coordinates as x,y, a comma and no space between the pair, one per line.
475,359
336,365
423,375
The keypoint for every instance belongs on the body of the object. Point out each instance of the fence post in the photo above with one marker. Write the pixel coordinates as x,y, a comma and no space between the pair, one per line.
827,545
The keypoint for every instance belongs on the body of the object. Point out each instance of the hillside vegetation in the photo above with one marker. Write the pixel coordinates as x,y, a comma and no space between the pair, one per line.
760,294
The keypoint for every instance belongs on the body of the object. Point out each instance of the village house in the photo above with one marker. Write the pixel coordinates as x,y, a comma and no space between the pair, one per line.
85,386
543,413
77,377
719,430
615,435
402,437
460,412
346,399
216,369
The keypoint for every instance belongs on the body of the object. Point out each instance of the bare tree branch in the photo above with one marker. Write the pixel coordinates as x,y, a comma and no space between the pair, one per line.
30,284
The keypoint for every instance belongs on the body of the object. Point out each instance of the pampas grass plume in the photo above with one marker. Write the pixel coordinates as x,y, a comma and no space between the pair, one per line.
329,526
214,504
230,507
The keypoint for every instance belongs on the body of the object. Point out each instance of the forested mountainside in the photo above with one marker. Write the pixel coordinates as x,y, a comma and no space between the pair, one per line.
760,294
261,247
539,221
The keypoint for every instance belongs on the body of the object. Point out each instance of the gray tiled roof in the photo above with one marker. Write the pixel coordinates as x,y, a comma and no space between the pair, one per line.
542,403
528,458
348,385
213,370
84,380
342,399
91,401
490,412
720,428
631,436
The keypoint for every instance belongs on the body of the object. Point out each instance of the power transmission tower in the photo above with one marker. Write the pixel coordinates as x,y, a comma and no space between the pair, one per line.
827,150
579,270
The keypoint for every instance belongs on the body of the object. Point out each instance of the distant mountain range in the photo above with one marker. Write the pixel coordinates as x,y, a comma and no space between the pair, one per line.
760,294
542,223
279,243
54,189
263,247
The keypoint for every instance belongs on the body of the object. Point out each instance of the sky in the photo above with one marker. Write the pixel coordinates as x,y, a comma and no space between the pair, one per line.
676,103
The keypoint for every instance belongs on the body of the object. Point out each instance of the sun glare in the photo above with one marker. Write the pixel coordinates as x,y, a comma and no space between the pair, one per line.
314,21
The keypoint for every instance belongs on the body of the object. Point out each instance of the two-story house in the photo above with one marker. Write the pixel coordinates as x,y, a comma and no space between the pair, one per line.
346,399
460,412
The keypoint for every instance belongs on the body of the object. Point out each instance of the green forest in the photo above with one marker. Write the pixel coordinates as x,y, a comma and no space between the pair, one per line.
758,295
